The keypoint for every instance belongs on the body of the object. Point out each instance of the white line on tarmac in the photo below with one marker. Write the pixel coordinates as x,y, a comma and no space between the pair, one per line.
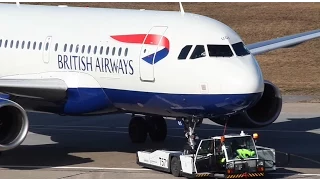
76,168
122,169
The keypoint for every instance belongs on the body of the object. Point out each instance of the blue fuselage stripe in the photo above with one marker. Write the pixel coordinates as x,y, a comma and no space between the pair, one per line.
86,100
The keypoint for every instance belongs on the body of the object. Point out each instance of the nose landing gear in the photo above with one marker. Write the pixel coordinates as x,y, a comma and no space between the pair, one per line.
190,124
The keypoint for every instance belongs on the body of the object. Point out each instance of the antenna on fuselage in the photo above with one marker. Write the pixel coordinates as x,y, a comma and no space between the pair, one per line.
181,9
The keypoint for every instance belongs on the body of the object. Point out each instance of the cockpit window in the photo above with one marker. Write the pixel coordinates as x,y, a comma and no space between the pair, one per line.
198,52
184,52
219,51
240,49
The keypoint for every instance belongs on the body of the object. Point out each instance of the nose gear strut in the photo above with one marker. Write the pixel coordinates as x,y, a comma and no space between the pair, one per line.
190,124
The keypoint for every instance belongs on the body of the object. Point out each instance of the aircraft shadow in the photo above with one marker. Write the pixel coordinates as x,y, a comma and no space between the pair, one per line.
72,137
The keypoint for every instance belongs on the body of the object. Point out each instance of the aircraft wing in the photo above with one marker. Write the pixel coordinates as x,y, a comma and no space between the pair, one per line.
283,42
47,89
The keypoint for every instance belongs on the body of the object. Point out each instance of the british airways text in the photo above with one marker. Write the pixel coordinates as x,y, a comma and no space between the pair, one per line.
99,64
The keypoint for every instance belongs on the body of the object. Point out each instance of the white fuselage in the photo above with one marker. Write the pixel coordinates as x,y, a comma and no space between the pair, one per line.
115,62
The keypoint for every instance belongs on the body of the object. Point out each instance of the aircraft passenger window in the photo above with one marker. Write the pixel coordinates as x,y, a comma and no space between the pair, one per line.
126,52
0,42
71,46
119,52
22,45
11,44
47,46
65,48
56,47
89,48
29,44
198,52
184,52
34,45
17,44
101,49
107,51
240,49
40,45
95,50
77,48
6,43
219,51
113,50
83,47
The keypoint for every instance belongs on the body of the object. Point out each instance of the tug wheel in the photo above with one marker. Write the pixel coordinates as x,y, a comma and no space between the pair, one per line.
175,167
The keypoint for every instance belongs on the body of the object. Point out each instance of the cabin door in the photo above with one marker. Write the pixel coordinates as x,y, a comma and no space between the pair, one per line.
154,48
46,50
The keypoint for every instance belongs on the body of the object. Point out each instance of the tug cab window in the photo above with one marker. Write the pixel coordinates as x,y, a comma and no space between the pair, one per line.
219,51
240,49
198,52
184,52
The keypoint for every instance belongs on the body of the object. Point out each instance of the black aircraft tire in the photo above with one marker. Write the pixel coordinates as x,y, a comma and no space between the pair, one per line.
138,130
175,167
157,129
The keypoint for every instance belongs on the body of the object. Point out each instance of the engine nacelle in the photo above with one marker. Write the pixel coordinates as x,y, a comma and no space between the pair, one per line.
14,124
262,114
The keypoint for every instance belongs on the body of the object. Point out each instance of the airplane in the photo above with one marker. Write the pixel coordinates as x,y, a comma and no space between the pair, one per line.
80,61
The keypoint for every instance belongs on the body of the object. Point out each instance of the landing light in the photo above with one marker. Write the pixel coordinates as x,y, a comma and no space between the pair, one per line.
255,136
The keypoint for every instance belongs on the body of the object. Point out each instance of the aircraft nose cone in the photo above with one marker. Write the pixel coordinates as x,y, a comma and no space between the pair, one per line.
244,77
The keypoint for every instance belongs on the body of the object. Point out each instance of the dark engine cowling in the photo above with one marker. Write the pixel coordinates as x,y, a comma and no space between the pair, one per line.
14,124
262,114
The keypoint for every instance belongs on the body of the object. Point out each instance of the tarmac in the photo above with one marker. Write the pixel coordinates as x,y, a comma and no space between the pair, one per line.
99,147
